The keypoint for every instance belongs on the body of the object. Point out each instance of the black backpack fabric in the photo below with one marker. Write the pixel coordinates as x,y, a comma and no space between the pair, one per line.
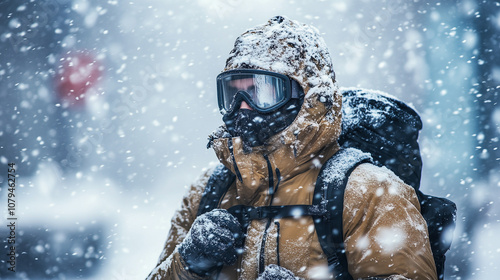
376,128
385,127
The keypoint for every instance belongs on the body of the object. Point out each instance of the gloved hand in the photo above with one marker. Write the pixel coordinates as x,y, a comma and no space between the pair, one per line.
212,241
275,272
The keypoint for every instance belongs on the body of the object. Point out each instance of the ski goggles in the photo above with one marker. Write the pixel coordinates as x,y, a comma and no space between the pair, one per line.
263,91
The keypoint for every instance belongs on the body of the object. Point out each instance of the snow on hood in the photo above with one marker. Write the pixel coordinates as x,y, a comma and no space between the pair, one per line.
296,50
288,47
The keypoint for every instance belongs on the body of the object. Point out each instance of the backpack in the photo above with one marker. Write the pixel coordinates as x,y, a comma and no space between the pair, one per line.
378,129
387,128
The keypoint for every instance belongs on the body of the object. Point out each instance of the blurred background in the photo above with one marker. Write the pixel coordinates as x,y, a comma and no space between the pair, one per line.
106,107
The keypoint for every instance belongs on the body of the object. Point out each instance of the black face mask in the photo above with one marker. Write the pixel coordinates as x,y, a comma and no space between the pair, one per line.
255,128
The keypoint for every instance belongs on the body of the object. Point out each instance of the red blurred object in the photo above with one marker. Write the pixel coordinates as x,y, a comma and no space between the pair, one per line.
78,73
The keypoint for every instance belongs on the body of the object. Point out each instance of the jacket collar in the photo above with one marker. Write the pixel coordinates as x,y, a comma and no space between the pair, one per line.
306,144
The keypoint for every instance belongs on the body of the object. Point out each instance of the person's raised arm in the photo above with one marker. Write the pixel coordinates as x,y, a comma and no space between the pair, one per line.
170,265
197,246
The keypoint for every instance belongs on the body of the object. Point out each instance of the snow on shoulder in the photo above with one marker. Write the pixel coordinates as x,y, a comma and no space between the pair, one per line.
338,166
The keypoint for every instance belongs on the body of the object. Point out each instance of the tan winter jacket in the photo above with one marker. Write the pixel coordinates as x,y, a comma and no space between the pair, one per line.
384,233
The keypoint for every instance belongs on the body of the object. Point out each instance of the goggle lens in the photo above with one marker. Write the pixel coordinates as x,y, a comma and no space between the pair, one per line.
263,91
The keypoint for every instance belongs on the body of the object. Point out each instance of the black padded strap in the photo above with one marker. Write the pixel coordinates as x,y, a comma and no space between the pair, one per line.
218,184
330,187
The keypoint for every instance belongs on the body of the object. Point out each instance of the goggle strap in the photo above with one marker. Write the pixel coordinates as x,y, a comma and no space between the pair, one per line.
297,90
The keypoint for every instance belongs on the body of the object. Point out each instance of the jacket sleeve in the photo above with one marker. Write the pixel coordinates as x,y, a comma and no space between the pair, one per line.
385,235
170,264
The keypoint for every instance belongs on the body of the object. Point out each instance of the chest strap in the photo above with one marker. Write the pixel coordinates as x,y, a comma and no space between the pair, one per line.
245,214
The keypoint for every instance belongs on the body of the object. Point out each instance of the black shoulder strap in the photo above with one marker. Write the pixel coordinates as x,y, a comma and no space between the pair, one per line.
329,191
218,184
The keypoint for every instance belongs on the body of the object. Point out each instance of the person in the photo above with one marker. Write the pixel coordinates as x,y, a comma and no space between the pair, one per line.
282,118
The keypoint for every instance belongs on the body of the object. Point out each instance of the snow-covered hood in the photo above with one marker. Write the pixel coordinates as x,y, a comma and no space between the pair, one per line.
290,48
294,49
297,50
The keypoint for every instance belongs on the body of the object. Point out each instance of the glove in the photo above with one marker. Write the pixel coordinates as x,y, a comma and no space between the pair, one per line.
275,272
212,241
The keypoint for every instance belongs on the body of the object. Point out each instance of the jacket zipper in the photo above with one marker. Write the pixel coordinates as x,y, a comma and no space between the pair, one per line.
278,242
272,191
230,146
